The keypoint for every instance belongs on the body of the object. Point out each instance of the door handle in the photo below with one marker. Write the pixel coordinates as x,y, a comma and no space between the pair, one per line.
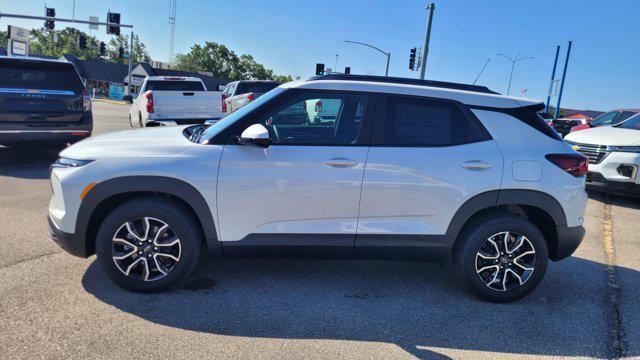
341,162
476,165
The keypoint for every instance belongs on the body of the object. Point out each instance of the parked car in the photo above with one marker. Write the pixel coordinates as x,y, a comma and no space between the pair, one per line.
164,100
563,126
614,156
42,103
409,170
237,94
609,118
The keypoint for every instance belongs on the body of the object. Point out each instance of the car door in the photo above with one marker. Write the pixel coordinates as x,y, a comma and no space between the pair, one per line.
303,191
427,157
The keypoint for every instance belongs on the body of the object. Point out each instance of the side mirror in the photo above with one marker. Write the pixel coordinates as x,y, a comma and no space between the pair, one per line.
255,135
128,98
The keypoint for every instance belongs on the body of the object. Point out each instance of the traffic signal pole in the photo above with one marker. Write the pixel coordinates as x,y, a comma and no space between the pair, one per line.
564,76
553,77
47,18
130,62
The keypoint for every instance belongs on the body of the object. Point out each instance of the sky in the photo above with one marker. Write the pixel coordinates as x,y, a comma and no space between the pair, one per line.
291,36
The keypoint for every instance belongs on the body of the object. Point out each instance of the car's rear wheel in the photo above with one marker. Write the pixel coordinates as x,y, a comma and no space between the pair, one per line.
500,257
148,244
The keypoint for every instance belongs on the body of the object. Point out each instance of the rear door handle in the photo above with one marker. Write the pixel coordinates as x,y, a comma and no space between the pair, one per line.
341,162
476,165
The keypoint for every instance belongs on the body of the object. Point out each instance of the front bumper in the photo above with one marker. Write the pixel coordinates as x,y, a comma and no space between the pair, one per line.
569,238
71,243
596,181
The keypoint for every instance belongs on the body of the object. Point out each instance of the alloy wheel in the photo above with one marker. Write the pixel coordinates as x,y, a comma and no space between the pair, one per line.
505,261
145,249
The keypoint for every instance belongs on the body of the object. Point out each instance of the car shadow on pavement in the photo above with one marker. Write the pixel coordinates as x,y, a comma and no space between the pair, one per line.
416,306
618,200
27,163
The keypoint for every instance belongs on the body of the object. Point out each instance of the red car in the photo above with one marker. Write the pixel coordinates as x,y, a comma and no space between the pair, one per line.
609,118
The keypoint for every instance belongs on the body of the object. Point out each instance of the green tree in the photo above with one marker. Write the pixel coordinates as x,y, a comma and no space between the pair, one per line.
140,53
3,39
552,111
67,43
222,62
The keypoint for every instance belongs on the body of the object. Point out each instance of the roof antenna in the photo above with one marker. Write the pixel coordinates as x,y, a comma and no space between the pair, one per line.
481,71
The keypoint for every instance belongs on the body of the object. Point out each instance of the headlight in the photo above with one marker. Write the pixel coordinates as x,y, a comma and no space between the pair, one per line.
67,163
633,149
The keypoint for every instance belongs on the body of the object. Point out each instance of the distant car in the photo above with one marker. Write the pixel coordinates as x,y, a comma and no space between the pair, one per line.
563,126
180,100
609,118
239,93
42,102
614,156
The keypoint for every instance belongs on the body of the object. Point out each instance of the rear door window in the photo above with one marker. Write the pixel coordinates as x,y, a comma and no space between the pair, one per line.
33,74
425,122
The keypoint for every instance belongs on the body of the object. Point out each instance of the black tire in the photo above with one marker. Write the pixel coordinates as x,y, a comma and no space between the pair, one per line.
474,236
180,221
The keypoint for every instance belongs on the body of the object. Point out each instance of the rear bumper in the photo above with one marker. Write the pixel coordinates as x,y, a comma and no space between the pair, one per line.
33,133
569,238
69,242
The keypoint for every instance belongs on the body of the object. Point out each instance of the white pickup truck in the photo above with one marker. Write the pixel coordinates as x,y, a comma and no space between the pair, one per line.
165,100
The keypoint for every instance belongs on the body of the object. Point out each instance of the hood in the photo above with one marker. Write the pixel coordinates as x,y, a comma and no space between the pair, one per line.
606,135
154,141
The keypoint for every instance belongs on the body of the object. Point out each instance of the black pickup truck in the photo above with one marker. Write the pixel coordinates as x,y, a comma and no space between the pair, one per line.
42,103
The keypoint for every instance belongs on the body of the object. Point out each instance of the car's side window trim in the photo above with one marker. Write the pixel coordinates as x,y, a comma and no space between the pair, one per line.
363,139
379,123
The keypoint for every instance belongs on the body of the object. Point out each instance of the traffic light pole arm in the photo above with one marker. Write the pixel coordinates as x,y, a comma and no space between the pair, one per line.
46,18
388,54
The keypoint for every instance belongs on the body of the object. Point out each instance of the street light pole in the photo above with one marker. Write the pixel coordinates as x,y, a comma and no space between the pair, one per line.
388,54
427,36
513,61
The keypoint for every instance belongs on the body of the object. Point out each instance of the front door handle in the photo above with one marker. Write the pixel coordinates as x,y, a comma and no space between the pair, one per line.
341,162
476,165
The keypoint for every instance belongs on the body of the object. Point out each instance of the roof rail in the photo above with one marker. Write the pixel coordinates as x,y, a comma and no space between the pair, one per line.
406,81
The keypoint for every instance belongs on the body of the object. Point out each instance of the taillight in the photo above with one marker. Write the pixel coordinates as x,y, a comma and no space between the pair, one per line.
86,100
575,164
224,104
250,97
149,97
551,124
319,106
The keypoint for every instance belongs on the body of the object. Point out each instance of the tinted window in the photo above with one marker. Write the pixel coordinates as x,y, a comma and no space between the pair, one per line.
605,119
424,122
632,123
301,122
624,116
174,85
256,87
27,74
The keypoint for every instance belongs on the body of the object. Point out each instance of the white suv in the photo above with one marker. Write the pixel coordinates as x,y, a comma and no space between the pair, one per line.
407,170
614,156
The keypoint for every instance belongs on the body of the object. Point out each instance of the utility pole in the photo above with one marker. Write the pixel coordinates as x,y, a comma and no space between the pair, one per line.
335,66
553,77
513,61
427,36
172,24
564,76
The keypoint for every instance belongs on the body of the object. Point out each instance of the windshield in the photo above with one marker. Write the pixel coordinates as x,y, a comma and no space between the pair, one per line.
632,123
612,118
255,87
238,114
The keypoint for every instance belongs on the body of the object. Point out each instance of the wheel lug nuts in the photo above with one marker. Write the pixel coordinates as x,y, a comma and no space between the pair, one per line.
155,249
140,252
149,255
149,240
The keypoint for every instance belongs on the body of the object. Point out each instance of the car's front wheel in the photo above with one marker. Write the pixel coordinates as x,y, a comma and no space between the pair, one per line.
500,257
148,244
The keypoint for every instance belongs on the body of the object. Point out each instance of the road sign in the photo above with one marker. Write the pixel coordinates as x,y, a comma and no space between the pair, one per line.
18,34
18,48
93,20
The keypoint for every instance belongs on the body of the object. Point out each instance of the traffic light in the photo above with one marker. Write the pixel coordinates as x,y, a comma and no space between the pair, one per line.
319,69
82,42
50,24
412,59
120,52
103,48
113,18
347,70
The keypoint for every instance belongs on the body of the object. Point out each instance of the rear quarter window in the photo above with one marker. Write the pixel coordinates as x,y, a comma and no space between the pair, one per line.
33,74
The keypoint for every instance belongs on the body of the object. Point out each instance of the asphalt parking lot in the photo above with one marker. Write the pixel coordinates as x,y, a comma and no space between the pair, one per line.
54,305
